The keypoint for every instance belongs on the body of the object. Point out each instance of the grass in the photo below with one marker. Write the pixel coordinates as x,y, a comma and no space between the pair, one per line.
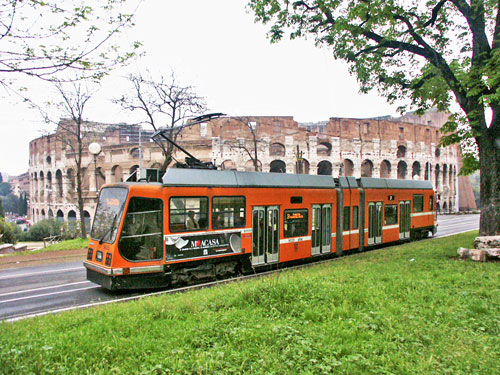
77,243
411,309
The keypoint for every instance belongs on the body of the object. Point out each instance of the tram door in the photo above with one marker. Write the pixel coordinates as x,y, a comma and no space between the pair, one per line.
404,219
321,229
374,223
265,235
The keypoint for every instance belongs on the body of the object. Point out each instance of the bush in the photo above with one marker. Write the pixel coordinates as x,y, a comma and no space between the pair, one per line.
44,228
8,232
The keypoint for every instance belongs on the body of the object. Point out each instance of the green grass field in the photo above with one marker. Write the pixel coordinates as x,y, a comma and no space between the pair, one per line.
411,309
77,243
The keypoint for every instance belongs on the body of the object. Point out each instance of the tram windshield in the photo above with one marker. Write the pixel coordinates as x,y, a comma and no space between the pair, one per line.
108,214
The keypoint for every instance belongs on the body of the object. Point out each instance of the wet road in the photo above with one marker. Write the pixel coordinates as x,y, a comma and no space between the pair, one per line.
32,291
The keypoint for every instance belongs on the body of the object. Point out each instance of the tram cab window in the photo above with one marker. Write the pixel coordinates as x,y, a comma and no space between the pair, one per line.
347,218
418,203
296,223
142,234
355,217
390,214
188,214
228,212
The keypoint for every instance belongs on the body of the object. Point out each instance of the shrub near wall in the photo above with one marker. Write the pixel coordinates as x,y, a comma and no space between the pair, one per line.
8,232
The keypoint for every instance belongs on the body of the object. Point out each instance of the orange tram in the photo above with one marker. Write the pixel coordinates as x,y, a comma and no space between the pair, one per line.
200,224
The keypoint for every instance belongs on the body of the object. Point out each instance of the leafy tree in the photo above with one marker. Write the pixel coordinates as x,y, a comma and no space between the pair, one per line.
10,202
163,103
5,188
7,232
434,53
1,178
2,213
47,38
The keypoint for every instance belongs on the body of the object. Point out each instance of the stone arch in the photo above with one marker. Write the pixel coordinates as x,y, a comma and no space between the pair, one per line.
428,171
401,153
50,214
437,153
366,168
131,171
59,183
85,179
249,166
49,180
86,218
445,206
60,216
277,149
305,166
347,168
325,168
445,174
402,170
324,149
71,215
437,174
385,169
101,178
228,165
70,175
117,173
415,170
42,183
277,166
42,213
134,153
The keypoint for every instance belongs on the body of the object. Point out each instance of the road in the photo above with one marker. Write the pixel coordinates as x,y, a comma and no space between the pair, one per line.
32,291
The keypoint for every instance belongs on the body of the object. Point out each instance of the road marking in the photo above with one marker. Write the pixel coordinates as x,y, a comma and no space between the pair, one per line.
43,288
40,273
49,294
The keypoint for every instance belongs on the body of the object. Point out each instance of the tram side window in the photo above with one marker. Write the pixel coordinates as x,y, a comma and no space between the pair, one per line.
228,212
296,223
431,203
188,214
347,217
418,203
355,217
390,214
142,234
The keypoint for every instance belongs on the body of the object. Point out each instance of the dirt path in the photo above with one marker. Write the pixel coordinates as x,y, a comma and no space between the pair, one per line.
29,260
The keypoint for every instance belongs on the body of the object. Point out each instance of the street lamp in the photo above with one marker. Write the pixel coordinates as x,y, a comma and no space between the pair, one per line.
95,149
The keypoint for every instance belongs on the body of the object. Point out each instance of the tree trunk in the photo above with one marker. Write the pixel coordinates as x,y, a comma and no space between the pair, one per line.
489,153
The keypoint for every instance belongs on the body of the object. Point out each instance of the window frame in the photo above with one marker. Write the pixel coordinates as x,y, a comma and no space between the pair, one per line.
385,215
420,207
346,225
185,213
161,224
285,222
212,216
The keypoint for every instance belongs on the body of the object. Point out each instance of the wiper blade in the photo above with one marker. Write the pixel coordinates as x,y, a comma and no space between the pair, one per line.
110,230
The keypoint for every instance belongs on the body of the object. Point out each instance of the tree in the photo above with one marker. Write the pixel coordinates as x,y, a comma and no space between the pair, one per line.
5,188
434,54
163,103
1,178
2,212
249,146
45,39
74,133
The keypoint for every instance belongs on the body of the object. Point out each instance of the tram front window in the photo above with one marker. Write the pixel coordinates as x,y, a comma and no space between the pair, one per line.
108,214
141,237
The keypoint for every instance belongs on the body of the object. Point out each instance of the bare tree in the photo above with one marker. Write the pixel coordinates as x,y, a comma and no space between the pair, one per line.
250,145
163,103
44,39
74,134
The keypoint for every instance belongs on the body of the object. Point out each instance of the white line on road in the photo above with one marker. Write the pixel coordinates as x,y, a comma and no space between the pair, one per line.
43,288
40,273
49,294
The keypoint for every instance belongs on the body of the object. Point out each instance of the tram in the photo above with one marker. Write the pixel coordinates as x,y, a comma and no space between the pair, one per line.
201,224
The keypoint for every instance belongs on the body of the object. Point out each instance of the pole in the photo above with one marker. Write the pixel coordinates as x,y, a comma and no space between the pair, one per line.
95,173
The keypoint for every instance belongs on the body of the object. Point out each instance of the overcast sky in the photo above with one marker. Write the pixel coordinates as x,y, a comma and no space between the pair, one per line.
216,47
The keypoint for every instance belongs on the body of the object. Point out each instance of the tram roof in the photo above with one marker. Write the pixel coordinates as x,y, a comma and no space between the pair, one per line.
211,178
386,183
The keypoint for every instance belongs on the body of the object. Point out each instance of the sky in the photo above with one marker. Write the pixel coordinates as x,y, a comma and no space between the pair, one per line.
216,47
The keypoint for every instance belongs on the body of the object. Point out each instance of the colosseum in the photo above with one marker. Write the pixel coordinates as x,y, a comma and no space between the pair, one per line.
404,148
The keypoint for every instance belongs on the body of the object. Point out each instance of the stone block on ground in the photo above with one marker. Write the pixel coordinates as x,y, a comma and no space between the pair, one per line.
20,247
487,242
6,248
